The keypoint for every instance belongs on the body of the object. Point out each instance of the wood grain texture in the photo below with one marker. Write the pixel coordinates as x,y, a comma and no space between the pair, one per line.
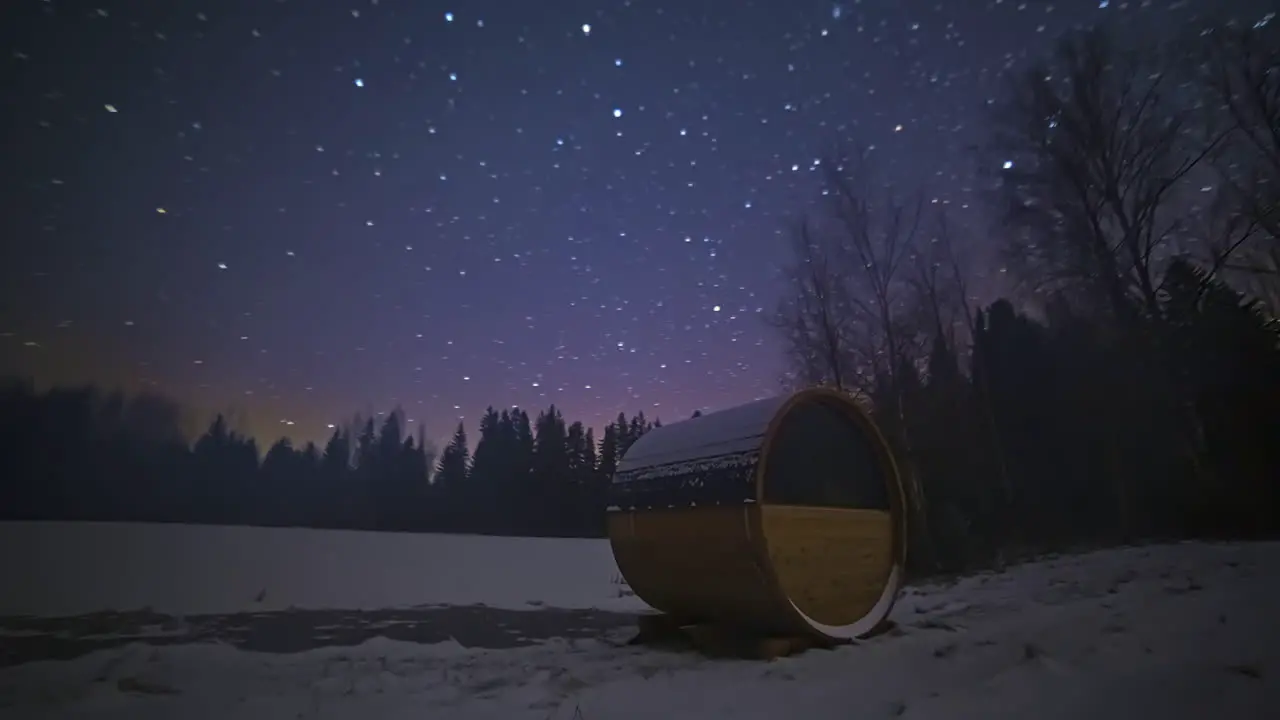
696,564
746,565
833,563
780,570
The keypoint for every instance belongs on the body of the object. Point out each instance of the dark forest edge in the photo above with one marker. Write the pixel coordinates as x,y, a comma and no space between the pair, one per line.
1128,388
90,455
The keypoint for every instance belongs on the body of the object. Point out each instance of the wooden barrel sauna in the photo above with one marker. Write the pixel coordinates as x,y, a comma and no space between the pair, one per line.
784,517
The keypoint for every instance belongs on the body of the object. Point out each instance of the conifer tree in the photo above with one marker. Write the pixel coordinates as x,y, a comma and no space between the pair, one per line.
451,474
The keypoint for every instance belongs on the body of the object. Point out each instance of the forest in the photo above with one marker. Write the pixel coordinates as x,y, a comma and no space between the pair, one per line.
1128,385
1125,388
85,454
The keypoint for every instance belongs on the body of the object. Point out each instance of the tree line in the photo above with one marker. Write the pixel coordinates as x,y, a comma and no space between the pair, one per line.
85,454
1126,387
1128,384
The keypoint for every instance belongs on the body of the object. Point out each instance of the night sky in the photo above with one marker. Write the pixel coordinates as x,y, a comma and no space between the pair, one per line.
298,210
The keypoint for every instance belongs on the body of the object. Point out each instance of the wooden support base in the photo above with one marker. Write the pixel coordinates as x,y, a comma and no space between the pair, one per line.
719,641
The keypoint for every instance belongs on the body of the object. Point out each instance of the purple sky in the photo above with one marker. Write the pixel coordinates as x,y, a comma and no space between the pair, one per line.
301,210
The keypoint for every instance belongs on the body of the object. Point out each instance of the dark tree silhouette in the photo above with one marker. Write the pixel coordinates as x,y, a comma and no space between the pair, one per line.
1141,399
80,454
453,471
1135,395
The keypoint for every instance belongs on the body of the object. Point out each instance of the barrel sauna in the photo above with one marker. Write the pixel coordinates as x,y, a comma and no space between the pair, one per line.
783,517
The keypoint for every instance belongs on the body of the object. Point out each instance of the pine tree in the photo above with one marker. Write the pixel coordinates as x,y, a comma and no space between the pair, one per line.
337,454
391,436
581,456
609,455
625,437
311,457
389,491
521,513
487,458
334,482
277,495
487,471
367,448
551,471
583,480
411,482
522,450
1225,354
589,460
451,474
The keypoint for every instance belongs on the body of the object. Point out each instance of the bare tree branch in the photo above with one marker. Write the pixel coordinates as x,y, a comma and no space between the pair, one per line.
1239,72
846,317
813,316
940,284
1096,152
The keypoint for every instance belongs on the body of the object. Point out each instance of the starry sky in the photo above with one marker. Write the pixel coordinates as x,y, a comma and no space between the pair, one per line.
295,210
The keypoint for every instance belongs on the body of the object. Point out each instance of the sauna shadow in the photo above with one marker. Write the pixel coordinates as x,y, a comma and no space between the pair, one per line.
719,641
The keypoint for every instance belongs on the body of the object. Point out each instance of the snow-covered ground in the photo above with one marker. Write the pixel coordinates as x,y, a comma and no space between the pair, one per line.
64,569
1170,632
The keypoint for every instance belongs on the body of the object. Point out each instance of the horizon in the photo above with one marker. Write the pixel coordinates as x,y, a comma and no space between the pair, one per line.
294,217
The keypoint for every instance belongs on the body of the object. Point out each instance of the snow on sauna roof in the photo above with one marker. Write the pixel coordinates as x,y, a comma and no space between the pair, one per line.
736,429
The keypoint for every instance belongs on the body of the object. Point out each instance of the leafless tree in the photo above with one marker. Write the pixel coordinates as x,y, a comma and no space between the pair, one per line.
1239,72
1100,148
875,238
940,283
940,280
846,316
813,316
848,320
1095,146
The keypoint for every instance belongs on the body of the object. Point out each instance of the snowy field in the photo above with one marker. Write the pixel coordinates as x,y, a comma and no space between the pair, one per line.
1171,632
61,569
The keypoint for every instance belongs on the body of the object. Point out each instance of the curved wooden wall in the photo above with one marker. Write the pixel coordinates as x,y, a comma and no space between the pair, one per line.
693,539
